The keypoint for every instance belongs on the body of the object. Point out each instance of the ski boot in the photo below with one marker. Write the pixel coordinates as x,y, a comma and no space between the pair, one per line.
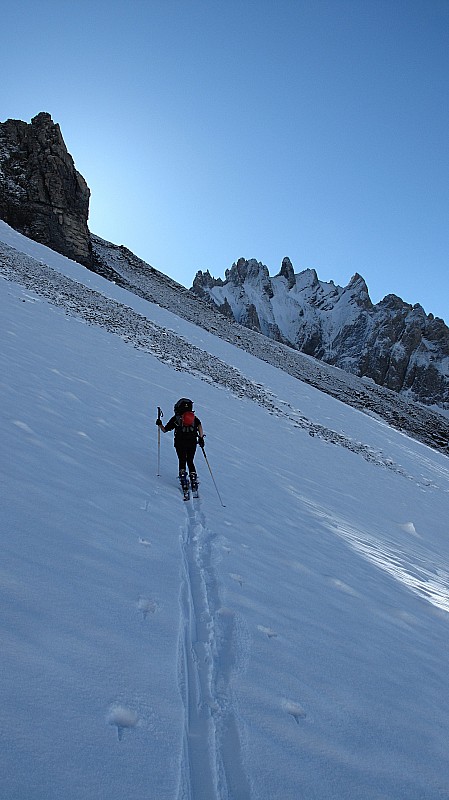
184,481
194,483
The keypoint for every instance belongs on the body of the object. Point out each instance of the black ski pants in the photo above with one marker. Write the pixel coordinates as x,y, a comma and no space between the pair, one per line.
186,452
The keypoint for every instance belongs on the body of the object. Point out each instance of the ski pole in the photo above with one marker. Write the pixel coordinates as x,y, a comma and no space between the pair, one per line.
159,416
212,476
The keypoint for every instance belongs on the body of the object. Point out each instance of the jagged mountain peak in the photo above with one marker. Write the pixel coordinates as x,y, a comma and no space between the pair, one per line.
358,290
358,282
393,343
247,270
307,279
287,272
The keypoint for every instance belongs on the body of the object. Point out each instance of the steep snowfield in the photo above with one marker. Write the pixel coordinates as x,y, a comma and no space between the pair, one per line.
293,644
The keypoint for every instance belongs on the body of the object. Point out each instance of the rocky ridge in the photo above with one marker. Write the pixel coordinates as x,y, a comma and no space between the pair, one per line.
395,344
41,193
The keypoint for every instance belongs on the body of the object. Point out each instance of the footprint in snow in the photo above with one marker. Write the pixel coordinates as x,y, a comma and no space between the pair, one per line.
146,606
267,631
145,542
237,578
122,718
409,527
294,709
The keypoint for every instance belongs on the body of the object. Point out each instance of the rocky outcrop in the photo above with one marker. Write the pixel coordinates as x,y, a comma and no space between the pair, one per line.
288,273
41,193
395,344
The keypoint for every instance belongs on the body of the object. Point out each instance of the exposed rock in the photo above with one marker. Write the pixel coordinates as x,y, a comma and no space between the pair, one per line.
393,343
251,319
204,280
41,193
287,272
359,291
226,309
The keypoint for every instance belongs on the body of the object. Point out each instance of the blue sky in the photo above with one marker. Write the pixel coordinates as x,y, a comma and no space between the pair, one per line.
212,130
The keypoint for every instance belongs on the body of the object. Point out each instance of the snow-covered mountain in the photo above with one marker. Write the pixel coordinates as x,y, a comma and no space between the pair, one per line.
393,343
292,644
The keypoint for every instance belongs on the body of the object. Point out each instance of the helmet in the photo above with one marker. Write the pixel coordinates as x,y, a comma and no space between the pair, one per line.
184,404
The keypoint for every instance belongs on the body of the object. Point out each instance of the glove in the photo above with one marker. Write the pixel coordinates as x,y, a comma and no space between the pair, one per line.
201,441
159,423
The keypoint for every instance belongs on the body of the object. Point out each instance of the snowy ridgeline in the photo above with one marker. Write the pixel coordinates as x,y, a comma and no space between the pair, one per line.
293,644
393,343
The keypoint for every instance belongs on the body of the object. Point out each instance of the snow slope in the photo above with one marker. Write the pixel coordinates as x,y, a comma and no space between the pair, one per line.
293,644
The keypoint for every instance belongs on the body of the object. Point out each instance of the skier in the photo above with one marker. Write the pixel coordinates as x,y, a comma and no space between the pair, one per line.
188,432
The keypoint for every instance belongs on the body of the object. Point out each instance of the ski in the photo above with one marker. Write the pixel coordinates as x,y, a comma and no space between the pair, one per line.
185,491
189,488
194,485
189,491
184,485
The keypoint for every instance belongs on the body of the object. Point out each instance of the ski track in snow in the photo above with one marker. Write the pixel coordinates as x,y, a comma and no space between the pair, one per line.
211,649
94,308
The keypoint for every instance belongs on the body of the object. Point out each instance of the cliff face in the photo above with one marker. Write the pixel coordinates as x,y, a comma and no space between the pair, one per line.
41,193
393,343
